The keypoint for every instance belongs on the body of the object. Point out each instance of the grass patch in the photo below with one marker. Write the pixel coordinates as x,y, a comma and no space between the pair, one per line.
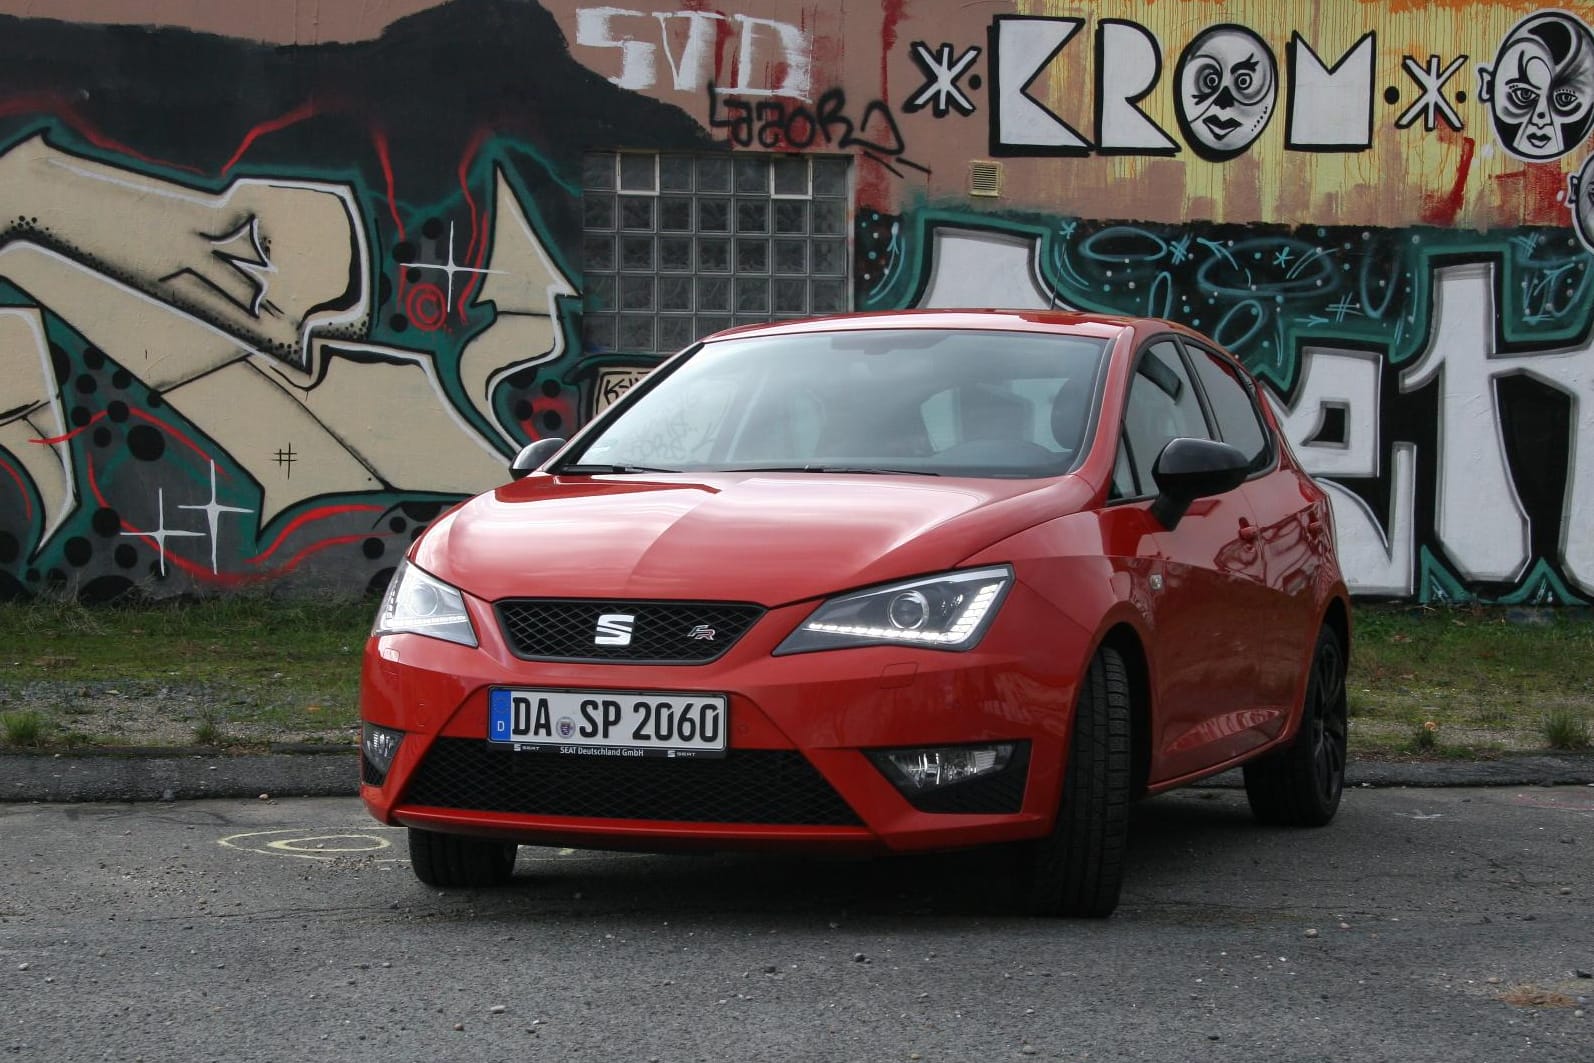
22,729
1488,678
1425,736
208,732
241,669
1566,729
249,669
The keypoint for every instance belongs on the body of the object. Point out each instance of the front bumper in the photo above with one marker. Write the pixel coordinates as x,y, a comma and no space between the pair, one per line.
797,773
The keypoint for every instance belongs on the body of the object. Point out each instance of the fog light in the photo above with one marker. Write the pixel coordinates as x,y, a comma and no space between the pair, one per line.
917,770
380,745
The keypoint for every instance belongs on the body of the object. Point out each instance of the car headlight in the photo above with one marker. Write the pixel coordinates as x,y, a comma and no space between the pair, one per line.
945,612
423,605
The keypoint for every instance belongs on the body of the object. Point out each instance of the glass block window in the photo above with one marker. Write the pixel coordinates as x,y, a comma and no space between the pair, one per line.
678,246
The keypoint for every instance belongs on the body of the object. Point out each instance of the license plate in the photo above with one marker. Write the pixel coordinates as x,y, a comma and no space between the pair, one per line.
609,723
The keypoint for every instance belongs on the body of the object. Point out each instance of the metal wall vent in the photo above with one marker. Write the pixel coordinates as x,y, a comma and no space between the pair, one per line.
985,178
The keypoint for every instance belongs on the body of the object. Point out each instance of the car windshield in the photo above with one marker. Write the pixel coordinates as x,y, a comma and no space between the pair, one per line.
982,403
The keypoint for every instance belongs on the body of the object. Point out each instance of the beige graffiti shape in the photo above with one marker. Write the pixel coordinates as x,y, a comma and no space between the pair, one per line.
29,410
524,285
238,306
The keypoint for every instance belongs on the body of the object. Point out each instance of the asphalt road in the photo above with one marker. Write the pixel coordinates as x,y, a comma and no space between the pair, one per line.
1432,924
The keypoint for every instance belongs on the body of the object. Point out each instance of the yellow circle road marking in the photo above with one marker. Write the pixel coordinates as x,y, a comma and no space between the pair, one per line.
360,843
311,843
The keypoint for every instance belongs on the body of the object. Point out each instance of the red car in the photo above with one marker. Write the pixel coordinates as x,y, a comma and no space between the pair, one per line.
874,583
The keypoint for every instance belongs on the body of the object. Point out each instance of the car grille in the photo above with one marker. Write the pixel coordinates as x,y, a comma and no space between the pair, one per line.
661,633
746,786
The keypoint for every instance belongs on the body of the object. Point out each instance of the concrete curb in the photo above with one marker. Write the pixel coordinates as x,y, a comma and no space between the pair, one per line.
1525,769
166,775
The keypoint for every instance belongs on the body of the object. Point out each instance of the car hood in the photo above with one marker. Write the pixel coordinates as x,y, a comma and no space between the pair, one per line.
769,538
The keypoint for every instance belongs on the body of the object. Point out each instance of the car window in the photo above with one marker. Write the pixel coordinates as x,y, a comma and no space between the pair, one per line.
943,402
1162,406
782,425
1123,476
1232,406
1035,410
677,429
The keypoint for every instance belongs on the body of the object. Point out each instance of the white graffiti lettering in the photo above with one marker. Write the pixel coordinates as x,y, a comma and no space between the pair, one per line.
1479,518
1432,105
763,44
1129,68
1345,385
1331,107
940,90
1022,48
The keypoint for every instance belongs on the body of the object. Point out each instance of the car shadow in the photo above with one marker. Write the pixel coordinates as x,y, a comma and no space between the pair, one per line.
1168,833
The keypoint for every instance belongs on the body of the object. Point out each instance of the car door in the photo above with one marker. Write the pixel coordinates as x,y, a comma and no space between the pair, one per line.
1289,518
1209,567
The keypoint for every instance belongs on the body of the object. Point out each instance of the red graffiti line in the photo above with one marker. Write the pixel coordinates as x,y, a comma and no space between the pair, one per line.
197,571
293,117
1540,188
890,16
64,113
50,441
27,502
1444,208
426,307
386,160
229,579
141,415
94,489
478,221
304,518
340,540
175,434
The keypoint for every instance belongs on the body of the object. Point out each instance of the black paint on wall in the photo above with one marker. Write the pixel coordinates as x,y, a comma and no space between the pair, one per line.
432,84
1536,423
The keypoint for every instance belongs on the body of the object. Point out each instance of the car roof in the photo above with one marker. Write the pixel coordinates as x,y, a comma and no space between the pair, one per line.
1103,326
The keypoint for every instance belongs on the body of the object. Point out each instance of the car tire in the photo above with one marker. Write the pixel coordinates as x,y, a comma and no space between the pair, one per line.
453,861
1077,869
1300,785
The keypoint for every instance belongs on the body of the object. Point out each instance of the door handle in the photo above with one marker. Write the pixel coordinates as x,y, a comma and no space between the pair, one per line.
1247,530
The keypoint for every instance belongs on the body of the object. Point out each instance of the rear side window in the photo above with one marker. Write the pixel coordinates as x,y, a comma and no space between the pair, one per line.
1163,406
1239,424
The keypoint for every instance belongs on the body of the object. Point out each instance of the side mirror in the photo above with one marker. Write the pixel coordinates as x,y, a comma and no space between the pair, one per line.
532,455
1188,469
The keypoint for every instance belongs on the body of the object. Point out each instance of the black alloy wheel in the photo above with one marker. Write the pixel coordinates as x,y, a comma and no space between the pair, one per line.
1301,785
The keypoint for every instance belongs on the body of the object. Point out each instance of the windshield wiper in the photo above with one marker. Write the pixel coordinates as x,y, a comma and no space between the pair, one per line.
866,470
607,470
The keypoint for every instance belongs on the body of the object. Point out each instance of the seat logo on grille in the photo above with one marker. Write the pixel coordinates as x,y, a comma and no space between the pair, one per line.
614,629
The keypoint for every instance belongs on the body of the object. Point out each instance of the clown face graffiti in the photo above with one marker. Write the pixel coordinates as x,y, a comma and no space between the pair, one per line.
1580,201
1541,89
1228,85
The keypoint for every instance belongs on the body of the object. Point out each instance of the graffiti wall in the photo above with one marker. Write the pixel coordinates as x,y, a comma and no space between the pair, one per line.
265,311
273,294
